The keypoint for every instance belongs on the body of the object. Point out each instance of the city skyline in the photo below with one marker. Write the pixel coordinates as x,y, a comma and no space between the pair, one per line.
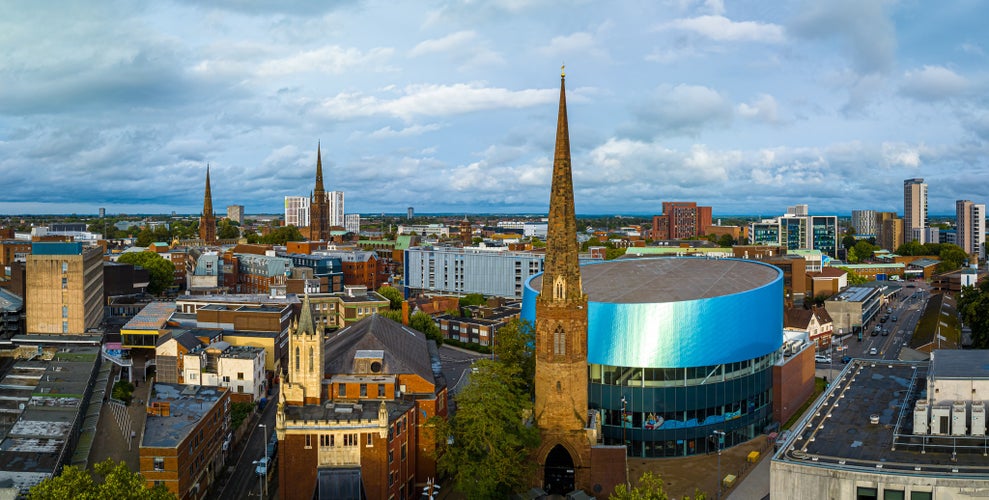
448,106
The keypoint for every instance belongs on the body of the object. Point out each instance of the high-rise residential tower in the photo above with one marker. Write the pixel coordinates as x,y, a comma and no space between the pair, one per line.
971,228
207,222
319,210
914,210
561,335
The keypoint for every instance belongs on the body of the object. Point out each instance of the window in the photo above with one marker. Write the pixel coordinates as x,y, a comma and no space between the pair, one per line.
866,493
240,375
65,311
381,390
403,452
65,327
65,267
240,389
559,341
342,391
325,440
921,495
363,390
391,456
893,495
308,441
297,361
65,282
350,439
159,463
226,378
368,440
310,359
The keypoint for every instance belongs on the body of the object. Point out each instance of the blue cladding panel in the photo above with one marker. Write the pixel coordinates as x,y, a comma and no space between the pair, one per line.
700,332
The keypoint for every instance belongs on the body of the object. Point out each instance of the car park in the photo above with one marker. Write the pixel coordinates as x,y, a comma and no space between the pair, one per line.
873,351
821,358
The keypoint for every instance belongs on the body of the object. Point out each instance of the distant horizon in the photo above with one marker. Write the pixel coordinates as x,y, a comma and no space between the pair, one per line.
221,215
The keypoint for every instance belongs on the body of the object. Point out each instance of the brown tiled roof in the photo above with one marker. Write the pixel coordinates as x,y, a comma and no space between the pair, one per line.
830,272
797,317
822,315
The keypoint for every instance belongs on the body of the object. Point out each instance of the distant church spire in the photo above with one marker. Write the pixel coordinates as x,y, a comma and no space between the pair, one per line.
207,223
319,205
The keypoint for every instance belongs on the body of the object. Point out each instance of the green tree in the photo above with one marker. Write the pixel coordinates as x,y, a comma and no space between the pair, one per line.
425,324
394,296
973,304
848,241
473,299
911,248
393,315
123,390
161,271
489,456
282,235
649,487
613,253
145,238
726,240
228,230
853,277
113,481
952,257
513,346
864,250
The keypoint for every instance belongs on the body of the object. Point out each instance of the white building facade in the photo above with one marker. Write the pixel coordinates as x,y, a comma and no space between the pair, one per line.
238,368
470,270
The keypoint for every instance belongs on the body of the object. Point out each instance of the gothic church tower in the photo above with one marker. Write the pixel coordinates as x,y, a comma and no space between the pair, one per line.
319,206
305,360
207,222
561,336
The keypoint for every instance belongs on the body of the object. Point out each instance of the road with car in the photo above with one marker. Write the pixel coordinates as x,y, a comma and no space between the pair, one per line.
902,314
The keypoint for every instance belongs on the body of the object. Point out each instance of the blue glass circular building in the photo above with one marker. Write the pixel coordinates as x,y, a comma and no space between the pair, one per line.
679,350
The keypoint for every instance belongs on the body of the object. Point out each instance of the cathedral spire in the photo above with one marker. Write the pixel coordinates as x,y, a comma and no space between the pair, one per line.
208,198
319,169
207,223
306,325
561,237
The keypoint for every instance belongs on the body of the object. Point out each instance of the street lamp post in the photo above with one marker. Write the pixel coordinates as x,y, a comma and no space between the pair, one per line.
267,461
721,439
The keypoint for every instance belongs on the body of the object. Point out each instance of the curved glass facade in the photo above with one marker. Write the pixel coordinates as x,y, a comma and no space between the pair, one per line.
675,411
685,368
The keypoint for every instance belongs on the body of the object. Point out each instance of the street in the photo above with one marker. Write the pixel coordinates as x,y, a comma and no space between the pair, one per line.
243,482
906,310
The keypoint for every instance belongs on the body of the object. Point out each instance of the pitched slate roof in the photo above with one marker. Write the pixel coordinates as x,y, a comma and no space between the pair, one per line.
797,317
406,351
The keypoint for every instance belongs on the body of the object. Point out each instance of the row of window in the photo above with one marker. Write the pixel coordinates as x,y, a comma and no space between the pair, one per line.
869,493
342,390
658,377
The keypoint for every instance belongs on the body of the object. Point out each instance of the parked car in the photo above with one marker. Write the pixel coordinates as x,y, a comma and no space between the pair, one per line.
262,468
846,359
893,319
873,351
821,358
885,332
273,445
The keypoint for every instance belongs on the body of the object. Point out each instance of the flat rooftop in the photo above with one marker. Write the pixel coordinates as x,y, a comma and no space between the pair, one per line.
152,317
960,364
657,280
837,432
188,404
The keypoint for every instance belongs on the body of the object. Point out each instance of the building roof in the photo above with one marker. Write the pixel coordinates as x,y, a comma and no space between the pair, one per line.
856,293
829,272
10,302
187,405
924,263
643,280
960,364
837,432
406,350
154,316
56,248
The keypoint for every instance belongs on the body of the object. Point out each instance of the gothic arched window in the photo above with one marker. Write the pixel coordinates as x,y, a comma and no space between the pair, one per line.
310,359
559,341
560,285
298,364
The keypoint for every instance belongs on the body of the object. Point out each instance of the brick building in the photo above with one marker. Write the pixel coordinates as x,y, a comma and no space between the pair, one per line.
182,445
366,425
680,220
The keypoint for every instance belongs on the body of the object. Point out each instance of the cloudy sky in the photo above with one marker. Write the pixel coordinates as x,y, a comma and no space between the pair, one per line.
449,106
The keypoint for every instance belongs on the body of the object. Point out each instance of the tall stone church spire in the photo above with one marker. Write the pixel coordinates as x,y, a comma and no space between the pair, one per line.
319,206
207,222
561,336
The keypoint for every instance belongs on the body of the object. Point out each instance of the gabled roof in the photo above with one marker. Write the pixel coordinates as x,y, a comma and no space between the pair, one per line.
829,272
797,317
822,315
406,351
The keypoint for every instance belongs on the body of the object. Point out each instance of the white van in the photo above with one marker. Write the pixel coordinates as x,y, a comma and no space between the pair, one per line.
821,358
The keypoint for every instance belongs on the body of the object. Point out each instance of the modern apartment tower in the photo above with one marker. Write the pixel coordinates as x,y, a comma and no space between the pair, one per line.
680,220
914,210
207,222
971,228
235,213
297,211
865,222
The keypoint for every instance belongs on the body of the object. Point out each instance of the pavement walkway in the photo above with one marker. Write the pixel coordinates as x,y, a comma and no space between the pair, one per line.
113,440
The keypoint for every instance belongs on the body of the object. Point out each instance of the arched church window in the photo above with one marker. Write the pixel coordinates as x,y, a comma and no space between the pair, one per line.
559,341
